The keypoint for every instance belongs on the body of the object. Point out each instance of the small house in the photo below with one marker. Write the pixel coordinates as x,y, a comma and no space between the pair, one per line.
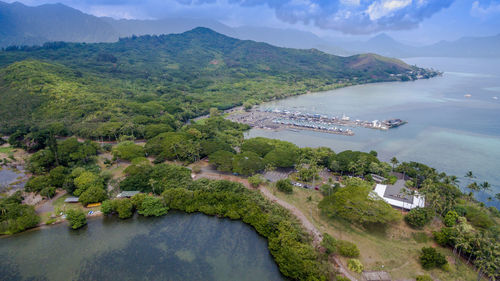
396,196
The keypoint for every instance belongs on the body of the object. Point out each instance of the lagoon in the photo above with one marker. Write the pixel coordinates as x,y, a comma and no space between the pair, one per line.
446,128
177,246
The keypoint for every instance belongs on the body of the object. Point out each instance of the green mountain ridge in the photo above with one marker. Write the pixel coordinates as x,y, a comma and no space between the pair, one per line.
103,90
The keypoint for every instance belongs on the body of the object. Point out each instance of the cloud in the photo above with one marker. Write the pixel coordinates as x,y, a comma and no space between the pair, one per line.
348,16
482,10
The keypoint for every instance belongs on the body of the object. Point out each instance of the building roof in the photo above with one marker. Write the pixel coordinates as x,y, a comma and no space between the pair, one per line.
395,192
127,194
71,200
403,201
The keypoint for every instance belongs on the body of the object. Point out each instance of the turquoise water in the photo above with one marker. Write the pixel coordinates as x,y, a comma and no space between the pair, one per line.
445,129
175,247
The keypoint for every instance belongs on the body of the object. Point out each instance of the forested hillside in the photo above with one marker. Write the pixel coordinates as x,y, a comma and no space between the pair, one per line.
105,90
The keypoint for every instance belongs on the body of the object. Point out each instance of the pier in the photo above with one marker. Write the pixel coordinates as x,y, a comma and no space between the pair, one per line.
283,119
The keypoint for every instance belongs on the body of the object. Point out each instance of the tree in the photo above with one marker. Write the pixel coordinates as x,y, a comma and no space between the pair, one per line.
430,258
419,217
152,206
93,194
124,208
260,146
284,185
354,203
451,218
76,218
247,163
223,160
86,180
281,157
127,150
394,162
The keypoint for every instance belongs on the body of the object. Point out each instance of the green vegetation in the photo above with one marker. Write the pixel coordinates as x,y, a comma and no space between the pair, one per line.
430,258
128,151
419,217
284,185
355,265
16,217
76,218
334,246
129,88
424,278
353,203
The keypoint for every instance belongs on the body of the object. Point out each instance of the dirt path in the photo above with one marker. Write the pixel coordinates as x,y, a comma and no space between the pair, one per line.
47,205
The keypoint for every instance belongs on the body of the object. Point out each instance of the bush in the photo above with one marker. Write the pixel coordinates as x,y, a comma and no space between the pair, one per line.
424,278
124,208
284,185
444,236
329,243
255,180
430,258
341,278
347,249
76,218
152,206
451,218
107,207
355,265
419,217
93,194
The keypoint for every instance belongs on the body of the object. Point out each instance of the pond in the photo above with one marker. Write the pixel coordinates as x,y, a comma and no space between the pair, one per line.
177,246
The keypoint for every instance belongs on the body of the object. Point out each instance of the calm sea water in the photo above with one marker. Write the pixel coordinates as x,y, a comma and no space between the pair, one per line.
445,129
175,247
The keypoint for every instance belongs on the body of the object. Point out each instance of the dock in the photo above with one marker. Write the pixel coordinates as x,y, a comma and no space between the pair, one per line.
277,119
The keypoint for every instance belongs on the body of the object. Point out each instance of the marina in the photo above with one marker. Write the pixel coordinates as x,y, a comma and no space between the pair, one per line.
284,119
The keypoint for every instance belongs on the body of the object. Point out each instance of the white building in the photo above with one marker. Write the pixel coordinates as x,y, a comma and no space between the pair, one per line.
394,195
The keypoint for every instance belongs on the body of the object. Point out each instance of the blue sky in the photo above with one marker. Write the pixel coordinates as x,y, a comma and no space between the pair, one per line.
417,21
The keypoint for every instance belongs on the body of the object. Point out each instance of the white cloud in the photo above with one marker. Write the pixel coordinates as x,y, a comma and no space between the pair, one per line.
384,8
479,10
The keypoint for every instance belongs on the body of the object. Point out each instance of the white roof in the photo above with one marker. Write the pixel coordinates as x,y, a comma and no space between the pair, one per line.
418,200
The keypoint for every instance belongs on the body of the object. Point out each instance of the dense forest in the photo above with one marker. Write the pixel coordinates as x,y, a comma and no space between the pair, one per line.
154,83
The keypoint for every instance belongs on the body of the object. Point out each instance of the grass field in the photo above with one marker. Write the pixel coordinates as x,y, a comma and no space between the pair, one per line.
394,249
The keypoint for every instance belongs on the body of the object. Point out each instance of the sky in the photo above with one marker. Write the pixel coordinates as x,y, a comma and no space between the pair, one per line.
411,21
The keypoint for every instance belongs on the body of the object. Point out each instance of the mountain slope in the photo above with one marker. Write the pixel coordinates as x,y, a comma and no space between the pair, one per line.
95,90
23,25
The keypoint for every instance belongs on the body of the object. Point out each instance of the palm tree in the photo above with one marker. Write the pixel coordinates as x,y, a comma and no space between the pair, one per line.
485,186
497,196
394,162
454,180
473,187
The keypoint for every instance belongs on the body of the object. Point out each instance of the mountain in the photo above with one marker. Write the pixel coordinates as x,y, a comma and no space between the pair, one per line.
23,25
464,47
93,90
127,28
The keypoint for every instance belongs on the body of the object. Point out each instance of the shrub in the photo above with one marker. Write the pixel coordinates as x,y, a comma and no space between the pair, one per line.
451,218
124,208
329,243
284,185
107,207
347,249
76,218
430,258
255,180
341,278
93,194
424,278
152,206
355,265
419,217
444,236
478,218
196,169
